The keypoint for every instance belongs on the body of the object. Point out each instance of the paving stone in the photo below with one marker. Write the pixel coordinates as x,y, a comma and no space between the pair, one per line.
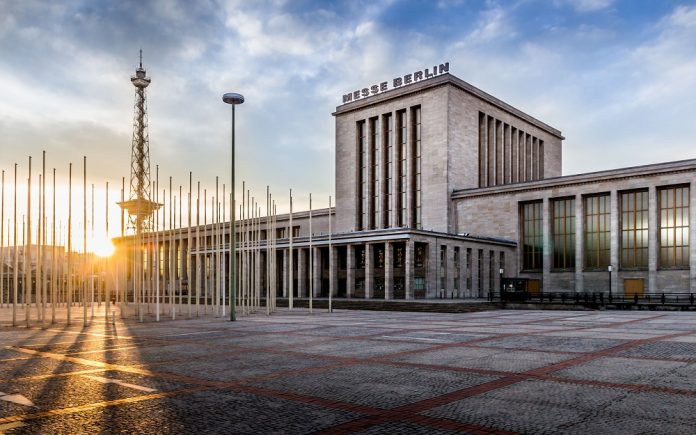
387,387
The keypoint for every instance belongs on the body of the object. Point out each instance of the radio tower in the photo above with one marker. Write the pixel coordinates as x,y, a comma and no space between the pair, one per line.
140,205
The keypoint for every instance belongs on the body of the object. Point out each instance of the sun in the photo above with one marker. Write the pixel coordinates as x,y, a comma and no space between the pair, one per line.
102,246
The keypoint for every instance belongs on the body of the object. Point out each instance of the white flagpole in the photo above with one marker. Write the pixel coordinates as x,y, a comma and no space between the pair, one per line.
290,262
223,263
311,257
27,254
330,256
84,239
198,251
91,271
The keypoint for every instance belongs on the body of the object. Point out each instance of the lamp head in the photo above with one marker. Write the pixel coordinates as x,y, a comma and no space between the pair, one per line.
233,98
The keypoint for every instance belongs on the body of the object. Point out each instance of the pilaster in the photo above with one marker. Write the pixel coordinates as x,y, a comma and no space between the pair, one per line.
388,270
369,271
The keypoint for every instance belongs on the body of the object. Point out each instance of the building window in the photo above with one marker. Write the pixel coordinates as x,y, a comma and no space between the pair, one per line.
389,149
563,233
362,176
634,229
597,231
376,160
401,148
443,267
469,272
416,113
532,235
674,227
457,267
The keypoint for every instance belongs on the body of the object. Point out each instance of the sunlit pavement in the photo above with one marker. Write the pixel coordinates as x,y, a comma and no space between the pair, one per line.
355,371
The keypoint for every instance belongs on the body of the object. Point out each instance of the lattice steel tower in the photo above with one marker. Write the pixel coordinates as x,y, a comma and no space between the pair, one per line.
140,206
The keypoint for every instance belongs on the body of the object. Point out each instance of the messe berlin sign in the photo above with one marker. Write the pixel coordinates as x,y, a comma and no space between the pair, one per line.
397,82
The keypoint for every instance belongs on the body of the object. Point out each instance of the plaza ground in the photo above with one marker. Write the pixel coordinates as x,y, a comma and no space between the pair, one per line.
355,372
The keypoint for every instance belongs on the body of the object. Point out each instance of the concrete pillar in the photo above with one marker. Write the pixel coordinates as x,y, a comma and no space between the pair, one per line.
692,237
409,171
579,245
615,243
485,273
409,269
350,272
546,255
316,273
476,286
285,273
432,289
388,270
450,271
395,173
301,273
333,272
369,271
652,239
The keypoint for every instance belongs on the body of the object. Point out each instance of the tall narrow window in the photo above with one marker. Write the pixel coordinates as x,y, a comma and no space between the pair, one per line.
674,227
532,235
362,176
457,268
388,185
634,229
402,169
417,170
376,160
597,231
563,233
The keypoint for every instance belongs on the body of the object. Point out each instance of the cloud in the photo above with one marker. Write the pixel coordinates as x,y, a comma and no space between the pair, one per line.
584,6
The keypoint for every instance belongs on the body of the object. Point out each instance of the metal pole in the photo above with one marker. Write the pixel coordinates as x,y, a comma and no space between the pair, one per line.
84,239
71,284
330,256
311,257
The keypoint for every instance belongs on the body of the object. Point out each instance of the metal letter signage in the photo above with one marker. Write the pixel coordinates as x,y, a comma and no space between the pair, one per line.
397,82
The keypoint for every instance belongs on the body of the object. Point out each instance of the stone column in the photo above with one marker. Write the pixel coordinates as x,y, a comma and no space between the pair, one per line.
614,255
388,270
409,170
285,273
333,272
301,273
409,272
350,272
316,273
486,285
652,239
692,237
432,274
450,271
369,271
546,250
476,286
579,245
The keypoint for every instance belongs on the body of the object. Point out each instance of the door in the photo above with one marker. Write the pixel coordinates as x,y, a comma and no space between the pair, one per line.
633,286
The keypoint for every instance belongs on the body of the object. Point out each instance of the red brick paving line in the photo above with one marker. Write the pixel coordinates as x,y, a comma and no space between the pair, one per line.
423,405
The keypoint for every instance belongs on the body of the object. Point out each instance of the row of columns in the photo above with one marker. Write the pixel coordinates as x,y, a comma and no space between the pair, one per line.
478,271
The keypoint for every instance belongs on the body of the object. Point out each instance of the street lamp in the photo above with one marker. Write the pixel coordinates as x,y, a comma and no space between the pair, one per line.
233,99
609,269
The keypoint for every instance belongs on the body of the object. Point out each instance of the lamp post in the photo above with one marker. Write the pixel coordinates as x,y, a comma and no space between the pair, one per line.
502,286
233,99
609,269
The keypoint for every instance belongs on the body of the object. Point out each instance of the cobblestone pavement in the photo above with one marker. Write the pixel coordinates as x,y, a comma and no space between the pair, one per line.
355,372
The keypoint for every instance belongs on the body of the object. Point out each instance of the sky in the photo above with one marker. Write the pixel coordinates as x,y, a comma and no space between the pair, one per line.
618,78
